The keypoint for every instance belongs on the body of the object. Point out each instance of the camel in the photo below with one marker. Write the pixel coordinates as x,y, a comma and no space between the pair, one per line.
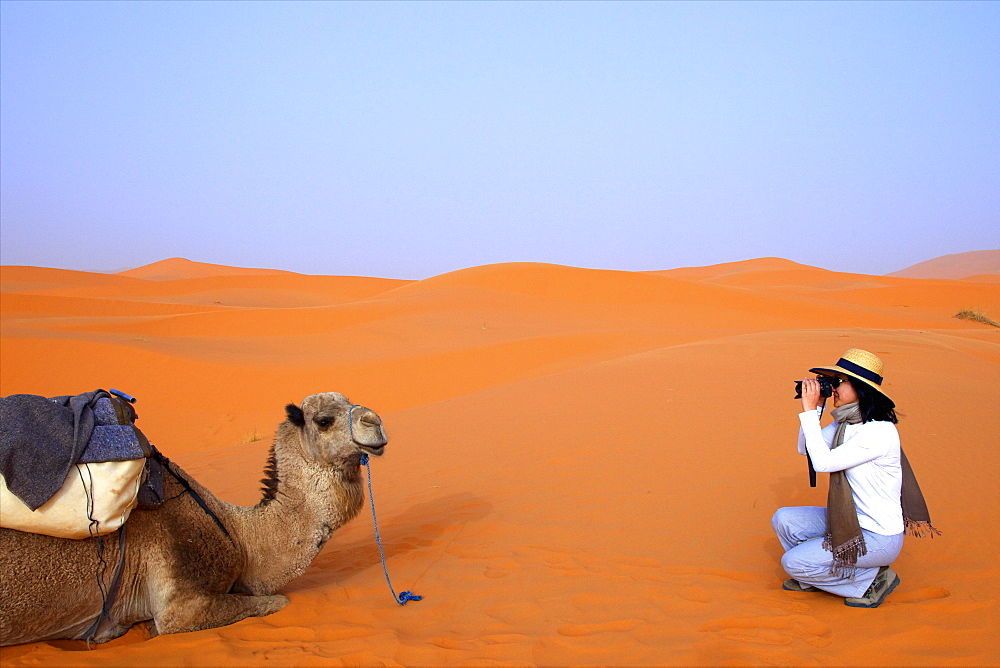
181,570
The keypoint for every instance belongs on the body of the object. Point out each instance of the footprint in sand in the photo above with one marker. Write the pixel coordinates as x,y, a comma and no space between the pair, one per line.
524,612
779,601
617,626
695,594
505,638
780,630
640,562
257,632
501,570
921,595
587,601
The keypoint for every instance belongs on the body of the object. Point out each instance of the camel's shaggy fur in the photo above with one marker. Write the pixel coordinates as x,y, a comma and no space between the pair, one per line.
181,571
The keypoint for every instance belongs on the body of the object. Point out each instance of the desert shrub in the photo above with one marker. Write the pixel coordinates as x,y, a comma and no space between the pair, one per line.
253,436
978,316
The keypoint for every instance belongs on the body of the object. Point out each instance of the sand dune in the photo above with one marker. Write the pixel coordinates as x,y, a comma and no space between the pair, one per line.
582,464
178,267
956,265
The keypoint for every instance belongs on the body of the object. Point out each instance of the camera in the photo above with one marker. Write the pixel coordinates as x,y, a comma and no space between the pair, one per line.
826,385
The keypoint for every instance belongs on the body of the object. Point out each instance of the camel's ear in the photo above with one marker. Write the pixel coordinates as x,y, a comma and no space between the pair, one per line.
295,415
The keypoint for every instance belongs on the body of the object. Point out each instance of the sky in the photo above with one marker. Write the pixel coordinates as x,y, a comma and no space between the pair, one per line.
409,139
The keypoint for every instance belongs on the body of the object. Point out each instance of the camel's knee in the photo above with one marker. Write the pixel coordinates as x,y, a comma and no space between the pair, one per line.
268,605
195,613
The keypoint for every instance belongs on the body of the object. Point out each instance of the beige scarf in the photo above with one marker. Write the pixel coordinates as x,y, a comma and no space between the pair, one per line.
844,537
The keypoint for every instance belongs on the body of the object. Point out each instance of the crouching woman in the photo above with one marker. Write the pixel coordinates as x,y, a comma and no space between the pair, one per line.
847,548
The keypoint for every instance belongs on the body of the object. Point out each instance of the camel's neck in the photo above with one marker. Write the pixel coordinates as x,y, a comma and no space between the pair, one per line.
303,504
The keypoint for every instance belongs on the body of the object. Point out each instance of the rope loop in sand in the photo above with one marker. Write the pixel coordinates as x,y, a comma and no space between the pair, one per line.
405,596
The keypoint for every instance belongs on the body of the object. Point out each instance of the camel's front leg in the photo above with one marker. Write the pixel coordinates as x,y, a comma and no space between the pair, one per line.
195,612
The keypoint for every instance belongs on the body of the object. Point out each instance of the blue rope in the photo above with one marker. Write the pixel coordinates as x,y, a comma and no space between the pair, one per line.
405,596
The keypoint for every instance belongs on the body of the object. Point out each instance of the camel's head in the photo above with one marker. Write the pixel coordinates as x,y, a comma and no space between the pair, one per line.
333,429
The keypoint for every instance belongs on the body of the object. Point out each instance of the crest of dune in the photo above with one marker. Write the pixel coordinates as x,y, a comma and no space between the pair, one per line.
179,268
956,265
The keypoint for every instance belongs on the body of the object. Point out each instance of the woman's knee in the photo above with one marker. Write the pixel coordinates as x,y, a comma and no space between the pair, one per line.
791,564
778,518
798,565
805,521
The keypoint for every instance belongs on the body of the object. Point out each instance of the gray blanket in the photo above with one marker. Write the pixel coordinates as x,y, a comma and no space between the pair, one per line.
40,439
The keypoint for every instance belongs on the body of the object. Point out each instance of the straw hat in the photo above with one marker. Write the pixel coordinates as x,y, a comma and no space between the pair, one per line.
858,364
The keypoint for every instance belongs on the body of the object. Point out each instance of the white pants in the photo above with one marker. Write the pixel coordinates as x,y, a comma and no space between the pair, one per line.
801,531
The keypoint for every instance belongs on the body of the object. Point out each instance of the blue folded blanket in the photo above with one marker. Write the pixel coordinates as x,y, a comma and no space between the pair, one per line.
40,439
110,441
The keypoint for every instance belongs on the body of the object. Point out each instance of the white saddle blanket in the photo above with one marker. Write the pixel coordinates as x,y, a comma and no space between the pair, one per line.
95,499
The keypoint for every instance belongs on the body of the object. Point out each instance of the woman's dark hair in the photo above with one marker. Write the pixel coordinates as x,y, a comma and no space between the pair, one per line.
875,406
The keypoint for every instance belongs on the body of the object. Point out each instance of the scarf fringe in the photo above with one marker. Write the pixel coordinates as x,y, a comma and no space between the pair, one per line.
919,528
845,557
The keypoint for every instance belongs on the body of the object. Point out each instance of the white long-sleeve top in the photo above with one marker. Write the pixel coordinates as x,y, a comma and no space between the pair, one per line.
869,456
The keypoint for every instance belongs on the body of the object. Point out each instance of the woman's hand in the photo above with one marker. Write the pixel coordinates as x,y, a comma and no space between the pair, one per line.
810,394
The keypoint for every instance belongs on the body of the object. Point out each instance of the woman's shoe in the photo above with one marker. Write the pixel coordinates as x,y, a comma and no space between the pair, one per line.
794,585
881,586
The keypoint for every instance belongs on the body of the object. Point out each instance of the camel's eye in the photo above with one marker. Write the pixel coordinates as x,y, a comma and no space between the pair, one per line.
324,422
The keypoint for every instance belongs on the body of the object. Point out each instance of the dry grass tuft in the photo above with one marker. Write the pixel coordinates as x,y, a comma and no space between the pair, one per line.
978,316
253,436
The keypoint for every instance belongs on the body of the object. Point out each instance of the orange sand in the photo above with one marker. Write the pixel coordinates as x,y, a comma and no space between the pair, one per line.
582,464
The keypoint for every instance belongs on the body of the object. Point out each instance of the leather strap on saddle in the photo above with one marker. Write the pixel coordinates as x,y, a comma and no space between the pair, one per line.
127,416
165,463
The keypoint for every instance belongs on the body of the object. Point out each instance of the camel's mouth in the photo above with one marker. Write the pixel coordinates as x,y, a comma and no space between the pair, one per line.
368,435
375,450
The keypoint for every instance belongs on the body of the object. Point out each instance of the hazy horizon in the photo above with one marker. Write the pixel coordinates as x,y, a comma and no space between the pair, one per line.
406,140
